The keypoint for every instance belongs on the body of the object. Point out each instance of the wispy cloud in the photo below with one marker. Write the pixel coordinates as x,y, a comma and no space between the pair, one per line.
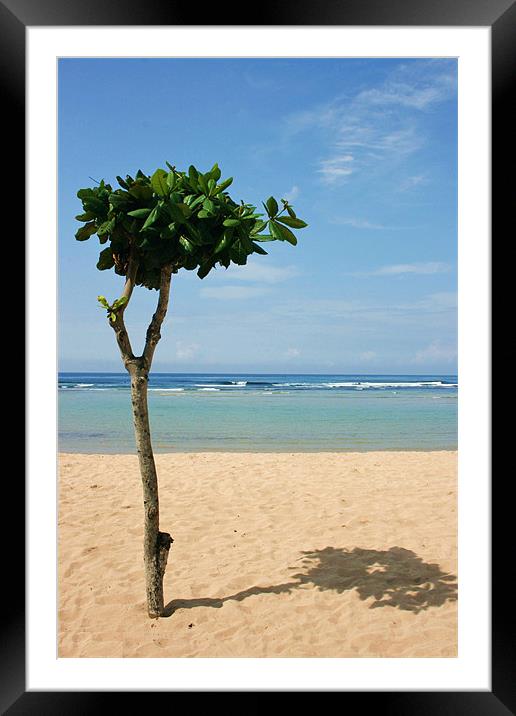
428,267
417,95
261,272
333,169
413,181
234,293
377,124
379,313
186,351
367,356
358,223
436,352
292,353
292,194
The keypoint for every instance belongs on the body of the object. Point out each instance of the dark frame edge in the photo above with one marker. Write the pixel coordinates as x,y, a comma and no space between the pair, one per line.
502,700
12,83
503,59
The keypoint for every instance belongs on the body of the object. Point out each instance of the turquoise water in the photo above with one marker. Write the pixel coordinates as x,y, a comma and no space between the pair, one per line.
260,413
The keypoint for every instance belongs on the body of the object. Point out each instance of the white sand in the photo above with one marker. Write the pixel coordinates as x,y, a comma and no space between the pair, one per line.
274,555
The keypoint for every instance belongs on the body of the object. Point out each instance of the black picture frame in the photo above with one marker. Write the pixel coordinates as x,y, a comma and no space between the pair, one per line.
500,16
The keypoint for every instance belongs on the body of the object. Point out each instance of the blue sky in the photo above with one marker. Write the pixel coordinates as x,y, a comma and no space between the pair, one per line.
365,150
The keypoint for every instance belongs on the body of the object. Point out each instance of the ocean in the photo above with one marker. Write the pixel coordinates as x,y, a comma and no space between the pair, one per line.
260,413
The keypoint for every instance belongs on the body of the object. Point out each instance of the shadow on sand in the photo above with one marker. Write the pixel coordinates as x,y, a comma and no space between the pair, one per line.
395,577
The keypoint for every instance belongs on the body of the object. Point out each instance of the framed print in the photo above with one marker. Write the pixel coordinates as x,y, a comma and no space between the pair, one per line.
335,533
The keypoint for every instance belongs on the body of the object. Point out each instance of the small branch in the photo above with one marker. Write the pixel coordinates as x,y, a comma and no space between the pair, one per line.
130,279
153,331
122,337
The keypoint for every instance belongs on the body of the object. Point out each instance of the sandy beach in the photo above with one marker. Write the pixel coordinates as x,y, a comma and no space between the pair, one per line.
274,555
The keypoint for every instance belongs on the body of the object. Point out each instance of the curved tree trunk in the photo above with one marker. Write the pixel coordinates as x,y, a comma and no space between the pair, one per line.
156,544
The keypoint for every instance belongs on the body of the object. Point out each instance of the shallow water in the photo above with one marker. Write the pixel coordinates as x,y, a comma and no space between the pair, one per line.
261,412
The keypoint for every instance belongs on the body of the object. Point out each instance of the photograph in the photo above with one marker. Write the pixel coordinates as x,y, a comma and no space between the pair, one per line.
257,339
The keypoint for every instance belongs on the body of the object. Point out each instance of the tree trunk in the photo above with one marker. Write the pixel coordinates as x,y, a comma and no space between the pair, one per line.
156,544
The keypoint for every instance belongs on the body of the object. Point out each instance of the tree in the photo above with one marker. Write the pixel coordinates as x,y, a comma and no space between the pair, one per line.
154,226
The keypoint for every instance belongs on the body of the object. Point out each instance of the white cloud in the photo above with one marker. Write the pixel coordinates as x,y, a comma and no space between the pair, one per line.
439,306
233,293
377,124
418,97
412,182
335,168
186,351
292,194
429,267
416,86
367,355
443,300
357,223
436,352
292,353
260,272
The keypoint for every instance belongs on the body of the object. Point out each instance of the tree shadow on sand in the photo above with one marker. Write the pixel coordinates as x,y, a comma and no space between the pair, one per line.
395,577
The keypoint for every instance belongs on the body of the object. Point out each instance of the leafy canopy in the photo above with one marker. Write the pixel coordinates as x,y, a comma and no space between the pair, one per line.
183,219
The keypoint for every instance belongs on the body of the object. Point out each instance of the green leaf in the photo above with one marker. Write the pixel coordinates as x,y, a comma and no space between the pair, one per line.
272,206
106,228
85,193
159,182
198,200
238,254
95,205
205,269
203,184
276,231
150,219
194,235
211,186
231,222
294,222
142,192
282,233
215,172
103,302
171,180
179,212
193,174
291,212
139,213
119,303
120,200
258,249
86,231
260,226
106,260
264,237
224,243
88,216
223,185
122,183
185,243
169,231
208,205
